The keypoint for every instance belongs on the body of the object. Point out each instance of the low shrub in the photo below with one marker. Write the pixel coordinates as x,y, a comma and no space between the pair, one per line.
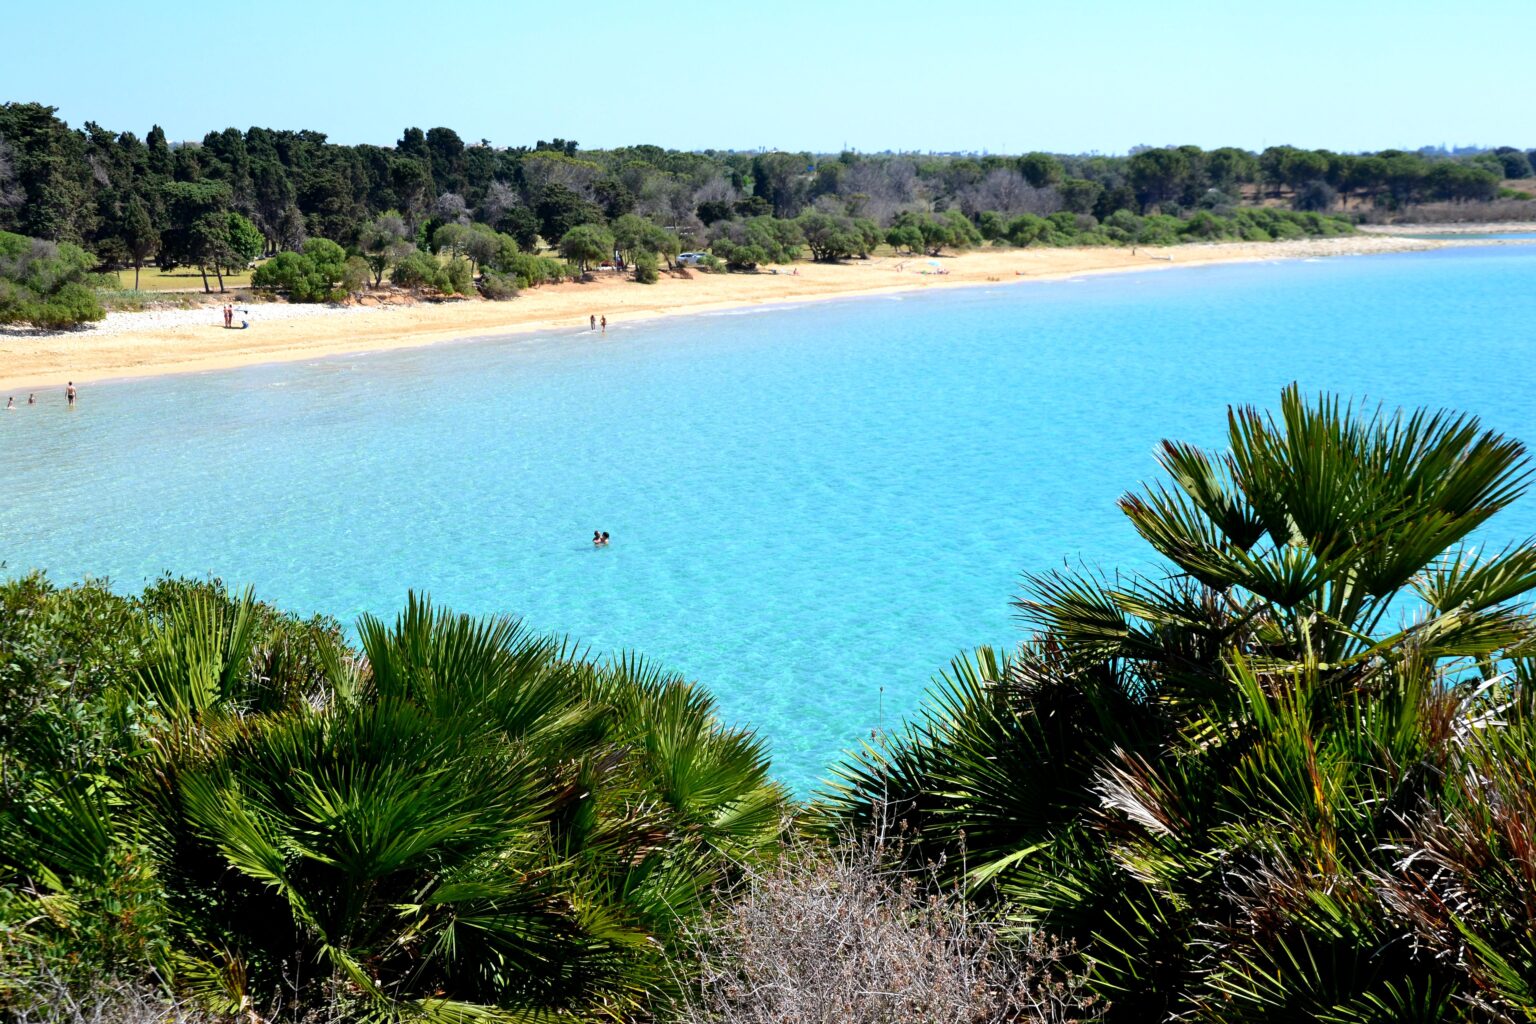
423,272
647,268
839,934
317,273
47,285
497,287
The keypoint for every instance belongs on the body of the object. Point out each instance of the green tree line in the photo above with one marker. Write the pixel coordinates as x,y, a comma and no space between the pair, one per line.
126,198
435,213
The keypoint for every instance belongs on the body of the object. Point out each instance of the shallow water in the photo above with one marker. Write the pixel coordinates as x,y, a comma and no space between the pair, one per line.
813,508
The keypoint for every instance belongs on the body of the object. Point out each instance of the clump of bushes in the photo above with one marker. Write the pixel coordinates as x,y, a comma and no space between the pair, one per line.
1287,778
744,244
202,790
47,285
530,270
918,233
318,273
496,286
424,272
647,268
1259,224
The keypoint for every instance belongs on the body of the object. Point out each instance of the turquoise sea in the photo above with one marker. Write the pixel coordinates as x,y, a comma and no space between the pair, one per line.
813,508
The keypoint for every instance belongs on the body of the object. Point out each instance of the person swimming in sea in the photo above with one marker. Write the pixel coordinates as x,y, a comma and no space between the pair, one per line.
32,398
605,538
10,403
597,538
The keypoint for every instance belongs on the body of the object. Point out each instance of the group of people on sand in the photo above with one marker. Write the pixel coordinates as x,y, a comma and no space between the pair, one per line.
69,397
229,317
599,538
593,322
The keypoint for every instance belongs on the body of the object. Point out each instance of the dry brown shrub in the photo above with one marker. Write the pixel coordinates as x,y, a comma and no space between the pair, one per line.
838,936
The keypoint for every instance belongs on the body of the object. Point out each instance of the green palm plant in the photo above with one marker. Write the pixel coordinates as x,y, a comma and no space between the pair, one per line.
476,823
1200,779
457,821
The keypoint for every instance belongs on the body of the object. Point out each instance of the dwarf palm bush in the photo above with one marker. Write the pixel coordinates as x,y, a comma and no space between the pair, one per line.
1247,790
459,820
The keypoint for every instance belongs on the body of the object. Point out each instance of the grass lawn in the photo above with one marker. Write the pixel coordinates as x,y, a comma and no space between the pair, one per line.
182,279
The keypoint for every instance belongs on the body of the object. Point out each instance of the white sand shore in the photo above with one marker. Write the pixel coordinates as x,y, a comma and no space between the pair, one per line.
190,340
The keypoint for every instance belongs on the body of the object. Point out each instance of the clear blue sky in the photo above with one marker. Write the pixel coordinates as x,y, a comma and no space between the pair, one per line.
1067,75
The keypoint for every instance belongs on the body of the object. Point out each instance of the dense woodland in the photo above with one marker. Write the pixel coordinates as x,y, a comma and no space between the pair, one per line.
437,214
1292,778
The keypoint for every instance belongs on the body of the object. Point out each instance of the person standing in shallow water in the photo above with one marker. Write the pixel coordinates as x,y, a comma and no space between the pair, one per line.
605,325
69,393
592,322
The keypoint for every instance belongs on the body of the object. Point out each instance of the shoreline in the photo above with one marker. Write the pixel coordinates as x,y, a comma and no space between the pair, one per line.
160,343
1451,228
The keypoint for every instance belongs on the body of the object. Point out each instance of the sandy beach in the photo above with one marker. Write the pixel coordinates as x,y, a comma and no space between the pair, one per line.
190,340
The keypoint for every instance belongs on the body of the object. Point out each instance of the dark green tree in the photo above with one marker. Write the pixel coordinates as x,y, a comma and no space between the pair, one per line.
140,239
197,231
1040,169
559,210
586,244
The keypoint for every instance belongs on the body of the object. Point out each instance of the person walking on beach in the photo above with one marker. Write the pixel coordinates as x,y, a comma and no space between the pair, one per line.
605,324
592,322
69,393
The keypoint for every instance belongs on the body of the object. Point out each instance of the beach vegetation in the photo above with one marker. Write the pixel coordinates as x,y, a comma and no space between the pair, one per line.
244,244
454,820
586,244
356,276
831,236
530,270
846,932
496,286
1513,163
949,230
906,237
140,240
47,285
633,236
424,272
743,244
647,268
385,240
198,228
1277,781
1041,170
561,209
318,273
